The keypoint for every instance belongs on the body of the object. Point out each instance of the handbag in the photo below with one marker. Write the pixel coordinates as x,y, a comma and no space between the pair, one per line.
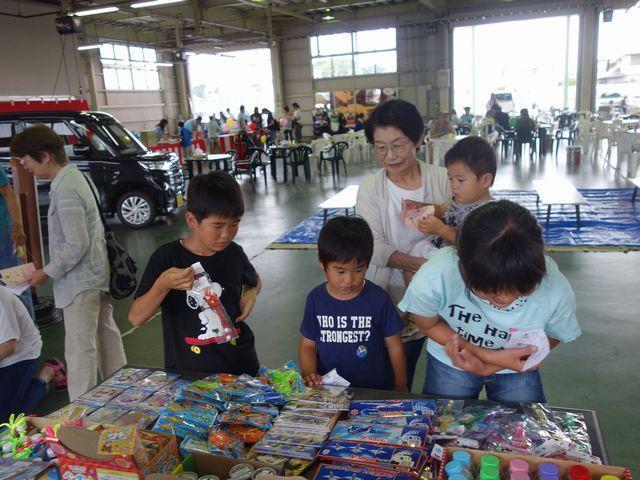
123,268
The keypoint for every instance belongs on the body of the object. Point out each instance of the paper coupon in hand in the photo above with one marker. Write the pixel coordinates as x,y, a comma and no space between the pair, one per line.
532,338
412,212
17,275
333,378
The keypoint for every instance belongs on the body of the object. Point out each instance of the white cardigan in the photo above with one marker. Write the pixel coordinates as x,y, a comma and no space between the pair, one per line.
372,205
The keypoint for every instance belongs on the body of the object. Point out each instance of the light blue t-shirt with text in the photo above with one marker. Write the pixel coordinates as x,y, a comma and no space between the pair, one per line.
439,290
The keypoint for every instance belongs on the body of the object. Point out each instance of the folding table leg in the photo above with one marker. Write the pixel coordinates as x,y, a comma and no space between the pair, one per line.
548,214
324,218
578,215
633,195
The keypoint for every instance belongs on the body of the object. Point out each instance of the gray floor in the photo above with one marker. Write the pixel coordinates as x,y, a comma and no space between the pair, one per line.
598,371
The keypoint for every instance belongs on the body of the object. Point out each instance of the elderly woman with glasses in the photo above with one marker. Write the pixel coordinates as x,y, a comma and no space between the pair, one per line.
396,131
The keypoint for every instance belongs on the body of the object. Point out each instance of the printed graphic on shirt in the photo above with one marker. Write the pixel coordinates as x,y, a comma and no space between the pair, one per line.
354,329
463,321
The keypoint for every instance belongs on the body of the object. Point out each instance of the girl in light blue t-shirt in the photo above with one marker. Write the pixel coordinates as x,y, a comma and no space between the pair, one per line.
469,301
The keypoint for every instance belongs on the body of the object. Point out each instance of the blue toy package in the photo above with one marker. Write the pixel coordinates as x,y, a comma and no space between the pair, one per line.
249,408
258,420
380,434
286,450
177,426
393,408
204,416
193,445
343,472
406,459
418,421
22,470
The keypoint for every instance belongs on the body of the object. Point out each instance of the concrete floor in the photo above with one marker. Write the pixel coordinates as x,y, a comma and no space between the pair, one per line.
598,371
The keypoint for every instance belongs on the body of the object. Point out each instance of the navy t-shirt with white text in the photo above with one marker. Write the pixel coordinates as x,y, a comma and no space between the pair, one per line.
350,334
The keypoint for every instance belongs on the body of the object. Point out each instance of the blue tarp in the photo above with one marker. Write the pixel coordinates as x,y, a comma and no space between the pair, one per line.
609,221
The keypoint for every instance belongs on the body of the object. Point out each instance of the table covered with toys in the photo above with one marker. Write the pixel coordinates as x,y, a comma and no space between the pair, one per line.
159,425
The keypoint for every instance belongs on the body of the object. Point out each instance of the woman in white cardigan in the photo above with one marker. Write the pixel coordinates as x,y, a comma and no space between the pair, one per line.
396,131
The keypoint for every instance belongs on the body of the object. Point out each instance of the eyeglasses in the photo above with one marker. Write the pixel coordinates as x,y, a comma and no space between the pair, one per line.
397,148
16,160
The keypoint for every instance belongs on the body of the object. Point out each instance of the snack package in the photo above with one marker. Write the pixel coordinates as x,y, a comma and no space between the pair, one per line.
223,443
130,398
101,395
413,211
117,440
205,297
410,460
127,377
244,432
380,434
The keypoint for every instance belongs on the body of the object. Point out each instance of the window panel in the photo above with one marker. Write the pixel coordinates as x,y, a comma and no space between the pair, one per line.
322,68
332,44
153,80
124,79
106,50
370,40
139,79
121,52
150,55
314,46
136,54
342,66
110,78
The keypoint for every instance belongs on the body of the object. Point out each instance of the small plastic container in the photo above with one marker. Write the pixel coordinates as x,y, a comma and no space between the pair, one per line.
518,466
490,461
188,475
578,472
454,467
242,471
463,457
519,476
548,471
489,473
264,471
609,477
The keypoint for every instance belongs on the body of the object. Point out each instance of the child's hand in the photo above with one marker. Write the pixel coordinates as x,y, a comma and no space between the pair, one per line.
313,380
463,358
177,279
431,225
408,276
513,358
247,302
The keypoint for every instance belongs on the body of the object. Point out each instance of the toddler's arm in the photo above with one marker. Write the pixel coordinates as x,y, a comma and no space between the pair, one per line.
145,306
398,362
307,355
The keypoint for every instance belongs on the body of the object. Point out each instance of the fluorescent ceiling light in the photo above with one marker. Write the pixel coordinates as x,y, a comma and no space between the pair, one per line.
89,47
96,11
328,17
164,64
153,3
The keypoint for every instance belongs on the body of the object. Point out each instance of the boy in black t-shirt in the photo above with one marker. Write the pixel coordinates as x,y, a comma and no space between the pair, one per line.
214,209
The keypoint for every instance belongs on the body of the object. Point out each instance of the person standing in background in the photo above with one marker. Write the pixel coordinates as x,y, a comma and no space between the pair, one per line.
78,262
297,123
160,129
213,132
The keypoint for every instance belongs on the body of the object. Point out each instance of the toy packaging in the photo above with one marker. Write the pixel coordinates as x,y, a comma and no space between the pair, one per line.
245,433
393,408
286,450
157,380
408,460
21,470
127,377
343,472
117,440
413,211
286,465
380,434
101,395
130,398
73,412
107,414
418,421
140,419
295,437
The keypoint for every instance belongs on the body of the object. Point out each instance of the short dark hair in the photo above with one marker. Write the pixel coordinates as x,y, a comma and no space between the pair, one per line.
295,105
501,249
396,113
181,124
475,153
215,193
36,140
343,239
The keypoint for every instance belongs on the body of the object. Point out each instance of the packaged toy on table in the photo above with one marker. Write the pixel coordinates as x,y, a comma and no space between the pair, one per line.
101,395
286,380
418,421
192,413
295,437
257,420
222,443
574,427
73,413
156,402
249,408
130,398
245,433
172,425
405,459
446,413
139,418
127,377
107,414
285,465
117,440
157,380
204,296
286,450
393,408
380,434
344,472
322,398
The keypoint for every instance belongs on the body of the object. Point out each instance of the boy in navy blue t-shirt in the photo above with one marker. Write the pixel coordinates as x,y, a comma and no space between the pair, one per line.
349,323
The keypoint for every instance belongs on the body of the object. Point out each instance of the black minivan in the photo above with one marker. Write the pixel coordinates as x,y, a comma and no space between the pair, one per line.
134,183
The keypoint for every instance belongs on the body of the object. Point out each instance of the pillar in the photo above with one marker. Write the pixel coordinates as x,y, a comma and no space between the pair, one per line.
587,59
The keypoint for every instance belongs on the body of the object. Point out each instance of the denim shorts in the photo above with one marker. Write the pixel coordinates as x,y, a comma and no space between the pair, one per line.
444,381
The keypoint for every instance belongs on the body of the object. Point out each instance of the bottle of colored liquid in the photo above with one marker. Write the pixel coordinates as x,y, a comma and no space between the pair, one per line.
549,471
578,472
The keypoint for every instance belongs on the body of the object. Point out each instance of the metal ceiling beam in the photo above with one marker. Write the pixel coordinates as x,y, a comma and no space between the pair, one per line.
283,11
435,5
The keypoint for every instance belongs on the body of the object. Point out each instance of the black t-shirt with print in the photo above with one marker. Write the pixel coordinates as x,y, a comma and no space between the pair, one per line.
231,269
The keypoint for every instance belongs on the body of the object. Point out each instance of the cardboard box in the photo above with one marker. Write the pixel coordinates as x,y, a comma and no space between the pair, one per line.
205,464
148,138
78,458
596,471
